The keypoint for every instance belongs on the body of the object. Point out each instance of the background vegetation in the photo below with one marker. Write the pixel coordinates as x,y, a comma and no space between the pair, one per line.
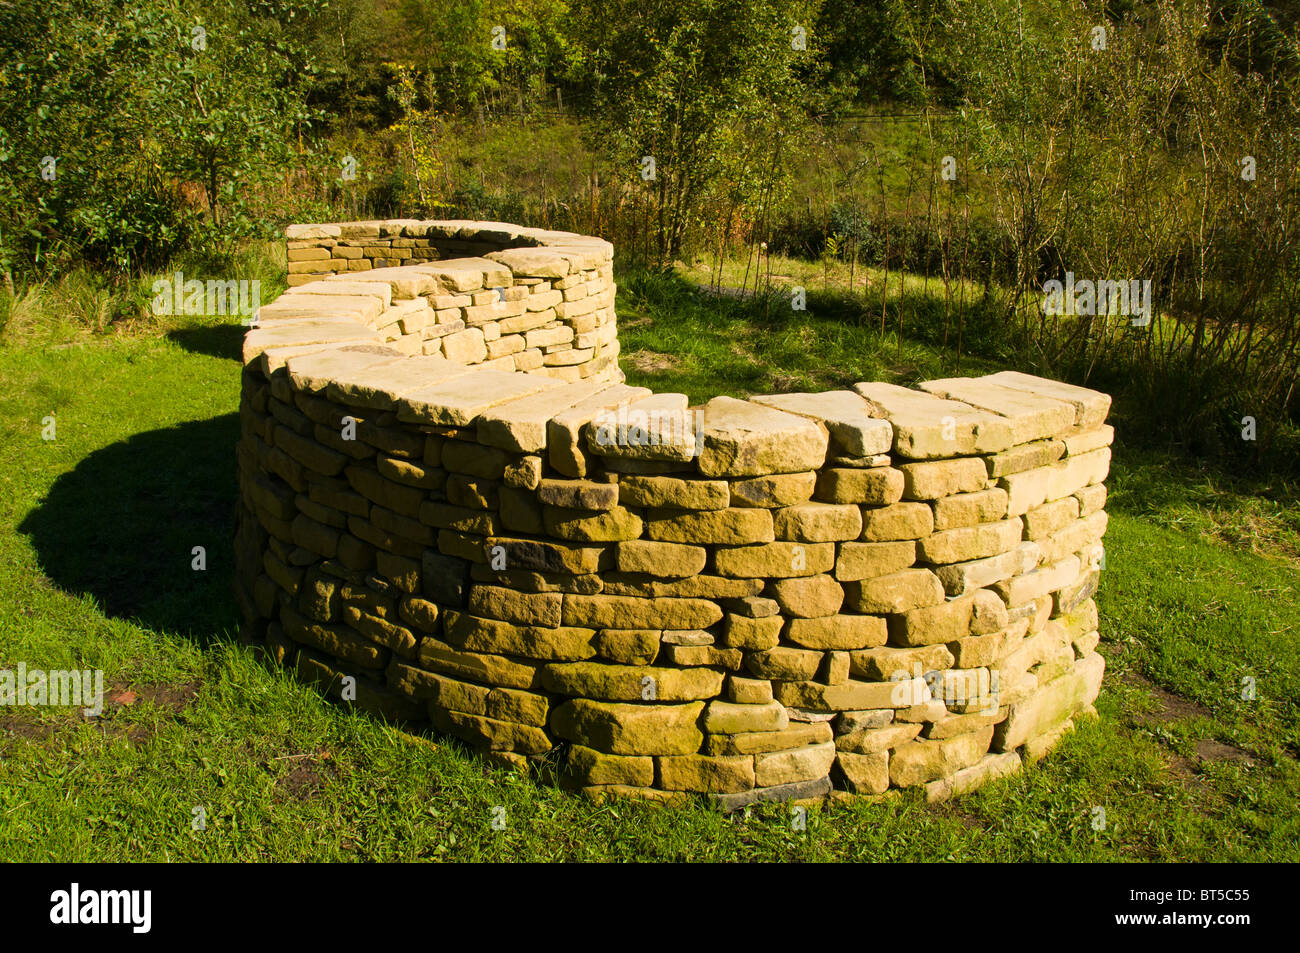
987,146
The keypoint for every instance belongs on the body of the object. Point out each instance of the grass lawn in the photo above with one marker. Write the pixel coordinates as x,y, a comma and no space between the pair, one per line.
97,529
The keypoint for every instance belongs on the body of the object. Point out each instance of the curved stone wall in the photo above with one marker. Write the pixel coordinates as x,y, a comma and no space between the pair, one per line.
756,599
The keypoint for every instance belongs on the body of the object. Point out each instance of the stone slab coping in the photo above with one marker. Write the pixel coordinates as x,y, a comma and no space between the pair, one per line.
322,333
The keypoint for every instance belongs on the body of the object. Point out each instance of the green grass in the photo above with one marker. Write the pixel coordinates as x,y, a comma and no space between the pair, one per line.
96,532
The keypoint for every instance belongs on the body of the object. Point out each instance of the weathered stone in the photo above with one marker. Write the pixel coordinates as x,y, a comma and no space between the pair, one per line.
340,642
882,664
628,646
864,773
591,525
805,791
489,732
564,450
742,632
1027,456
729,718
960,578
817,522
658,427
578,494
748,691
544,556
934,479
784,664
730,526
798,764
775,560
475,634
668,560
971,542
967,509
842,632
808,596
588,766
869,560
919,761
988,768
895,592
931,625
673,492
927,427
1051,704
523,608
845,415
773,490
618,728
896,522
1039,582
491,669
754,607
630,682
710,656
756,742
876,487
848,721
707,774
872,740
521,425
1043,521
459,400
623,612
739,438
1090,406
1032,416
852,695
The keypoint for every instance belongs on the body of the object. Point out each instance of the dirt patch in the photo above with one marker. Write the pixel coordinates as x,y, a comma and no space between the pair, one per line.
14,723
1168,706
306,775
651,362
1211,750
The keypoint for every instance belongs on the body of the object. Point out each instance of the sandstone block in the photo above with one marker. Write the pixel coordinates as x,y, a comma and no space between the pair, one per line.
896,592
630,682
840,632
630,729
934,479
730,526
808,596
817,522
868,560
729,718
971,542
739,438
673,492
920,761
879,486
843,413
799,764
707,774
773,490
897,522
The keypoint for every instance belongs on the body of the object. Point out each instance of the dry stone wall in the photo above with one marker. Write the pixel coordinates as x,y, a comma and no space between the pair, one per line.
870,588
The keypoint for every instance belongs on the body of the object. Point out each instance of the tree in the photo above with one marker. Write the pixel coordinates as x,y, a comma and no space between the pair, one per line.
678,88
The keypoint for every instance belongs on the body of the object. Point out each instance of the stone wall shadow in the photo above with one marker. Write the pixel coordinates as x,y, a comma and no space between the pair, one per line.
122,526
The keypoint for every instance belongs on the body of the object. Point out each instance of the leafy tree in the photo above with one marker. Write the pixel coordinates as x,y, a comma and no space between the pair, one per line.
677,87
